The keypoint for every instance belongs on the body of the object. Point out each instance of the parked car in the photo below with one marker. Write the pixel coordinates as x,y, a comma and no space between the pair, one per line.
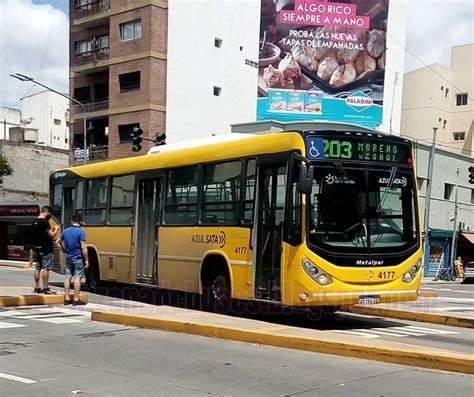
469,272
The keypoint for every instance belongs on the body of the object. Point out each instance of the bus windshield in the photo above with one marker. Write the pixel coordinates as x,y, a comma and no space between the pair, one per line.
362,209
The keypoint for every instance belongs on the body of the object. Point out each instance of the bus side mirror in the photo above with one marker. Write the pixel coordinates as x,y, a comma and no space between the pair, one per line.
305,183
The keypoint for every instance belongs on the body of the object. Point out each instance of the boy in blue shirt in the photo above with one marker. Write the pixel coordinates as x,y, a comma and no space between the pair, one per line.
73,243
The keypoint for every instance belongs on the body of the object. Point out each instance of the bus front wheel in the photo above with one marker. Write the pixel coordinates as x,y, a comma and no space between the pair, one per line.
92,273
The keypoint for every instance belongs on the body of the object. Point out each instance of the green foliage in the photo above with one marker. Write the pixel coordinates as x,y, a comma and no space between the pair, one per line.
5,168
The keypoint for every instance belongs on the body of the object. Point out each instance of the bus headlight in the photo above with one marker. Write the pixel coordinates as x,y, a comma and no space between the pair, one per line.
316,273
411,274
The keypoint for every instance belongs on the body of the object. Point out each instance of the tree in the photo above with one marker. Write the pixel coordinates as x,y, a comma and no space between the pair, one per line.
5,168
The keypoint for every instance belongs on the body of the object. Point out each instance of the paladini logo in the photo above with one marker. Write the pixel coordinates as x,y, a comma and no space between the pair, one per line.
359,101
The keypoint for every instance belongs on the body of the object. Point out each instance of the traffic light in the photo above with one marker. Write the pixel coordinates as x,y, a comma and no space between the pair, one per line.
471,174
160,139
136,139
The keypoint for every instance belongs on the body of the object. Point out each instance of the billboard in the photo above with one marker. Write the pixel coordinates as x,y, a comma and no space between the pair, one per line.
322,60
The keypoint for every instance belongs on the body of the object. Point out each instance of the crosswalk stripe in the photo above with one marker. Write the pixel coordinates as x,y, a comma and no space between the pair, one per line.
397,332
4,325
59,320
405,331
431,331
356,333
385,332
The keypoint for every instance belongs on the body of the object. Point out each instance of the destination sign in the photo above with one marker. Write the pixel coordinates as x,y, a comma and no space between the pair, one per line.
357,149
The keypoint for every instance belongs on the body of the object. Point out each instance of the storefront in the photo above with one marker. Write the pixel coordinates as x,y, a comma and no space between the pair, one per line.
16,239
440,250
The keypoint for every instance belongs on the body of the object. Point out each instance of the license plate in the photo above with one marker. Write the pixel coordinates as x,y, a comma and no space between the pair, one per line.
369,300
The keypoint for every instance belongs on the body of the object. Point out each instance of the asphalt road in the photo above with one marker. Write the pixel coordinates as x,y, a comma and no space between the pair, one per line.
360,326
58,351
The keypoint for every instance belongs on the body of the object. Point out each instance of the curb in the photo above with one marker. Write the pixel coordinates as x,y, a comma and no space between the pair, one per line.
23,300
433,318
405,354
20,265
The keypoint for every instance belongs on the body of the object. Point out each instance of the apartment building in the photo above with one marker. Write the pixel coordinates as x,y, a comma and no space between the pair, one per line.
117,71
437,96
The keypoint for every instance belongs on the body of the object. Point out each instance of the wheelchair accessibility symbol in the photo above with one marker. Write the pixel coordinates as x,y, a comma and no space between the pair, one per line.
315,148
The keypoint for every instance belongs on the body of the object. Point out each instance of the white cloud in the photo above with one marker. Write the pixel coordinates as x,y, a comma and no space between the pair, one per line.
434,27
34,40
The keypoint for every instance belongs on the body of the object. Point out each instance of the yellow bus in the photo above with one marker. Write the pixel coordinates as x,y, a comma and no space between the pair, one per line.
320,217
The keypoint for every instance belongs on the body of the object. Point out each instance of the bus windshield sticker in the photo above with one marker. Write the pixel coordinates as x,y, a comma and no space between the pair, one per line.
315,148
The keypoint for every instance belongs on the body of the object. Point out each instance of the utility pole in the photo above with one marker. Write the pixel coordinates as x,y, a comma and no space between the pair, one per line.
426,223
455,221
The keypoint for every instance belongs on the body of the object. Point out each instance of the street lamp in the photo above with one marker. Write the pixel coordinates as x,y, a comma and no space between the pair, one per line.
22,77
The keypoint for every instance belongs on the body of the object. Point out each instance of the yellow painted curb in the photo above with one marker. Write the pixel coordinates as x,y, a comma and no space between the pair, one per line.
23,300
428,294
434,318
20,265
410,355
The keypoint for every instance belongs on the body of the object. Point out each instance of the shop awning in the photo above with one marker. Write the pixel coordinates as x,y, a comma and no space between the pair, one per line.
441,233
468,236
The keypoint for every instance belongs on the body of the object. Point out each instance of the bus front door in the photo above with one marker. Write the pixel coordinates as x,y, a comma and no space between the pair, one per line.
270,217
148,205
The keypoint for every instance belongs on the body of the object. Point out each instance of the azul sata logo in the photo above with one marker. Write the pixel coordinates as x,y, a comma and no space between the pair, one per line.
359,101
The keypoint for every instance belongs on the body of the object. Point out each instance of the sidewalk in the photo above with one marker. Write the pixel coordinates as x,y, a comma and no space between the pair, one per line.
21,296
173,319
431,280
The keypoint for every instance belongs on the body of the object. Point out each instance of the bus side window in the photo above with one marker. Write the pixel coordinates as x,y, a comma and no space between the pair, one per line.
79,197
57,201
121,202
249,194
181,196
221,193
295,225
96,201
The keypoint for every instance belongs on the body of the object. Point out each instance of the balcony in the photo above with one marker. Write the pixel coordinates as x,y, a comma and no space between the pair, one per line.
91,8
97,153
92,56
92,106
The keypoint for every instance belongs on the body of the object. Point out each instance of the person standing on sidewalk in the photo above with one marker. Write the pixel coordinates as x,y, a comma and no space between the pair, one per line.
73,243
43,237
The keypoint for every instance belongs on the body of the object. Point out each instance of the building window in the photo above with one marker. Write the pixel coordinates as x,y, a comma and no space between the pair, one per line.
57,121
125,132
461,99
83,46
446,92
217,42
459,136
103,42
472,196
129,81
448,189
131,30
217,91
82,94
444,124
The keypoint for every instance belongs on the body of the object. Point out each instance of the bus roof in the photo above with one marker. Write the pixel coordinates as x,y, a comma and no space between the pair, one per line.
216,148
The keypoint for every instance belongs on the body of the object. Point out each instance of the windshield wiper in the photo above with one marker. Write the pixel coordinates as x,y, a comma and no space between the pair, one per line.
391,179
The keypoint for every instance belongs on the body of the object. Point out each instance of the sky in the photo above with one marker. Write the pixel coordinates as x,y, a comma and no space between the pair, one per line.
34,40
